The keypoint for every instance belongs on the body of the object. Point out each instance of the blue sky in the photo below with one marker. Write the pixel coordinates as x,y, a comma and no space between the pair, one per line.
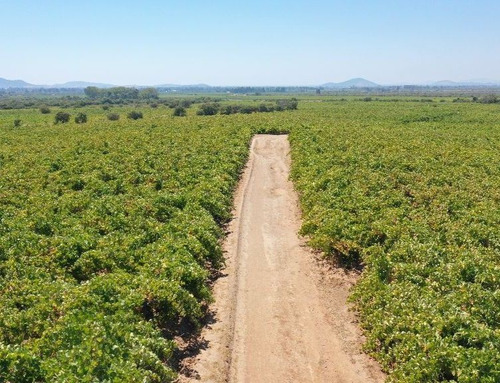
249,43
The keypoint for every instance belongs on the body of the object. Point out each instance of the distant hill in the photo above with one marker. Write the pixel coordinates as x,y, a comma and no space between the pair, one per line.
445,83
4,83
182,86
470,83
81,84
353,83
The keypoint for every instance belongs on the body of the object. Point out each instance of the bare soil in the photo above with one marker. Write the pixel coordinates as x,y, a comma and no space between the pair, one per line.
280,312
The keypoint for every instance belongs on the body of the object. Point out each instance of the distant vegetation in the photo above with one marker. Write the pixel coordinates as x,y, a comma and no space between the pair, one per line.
120,93
179,111
62,117
123,96
489,99
210,109
134,115
175,96
81,118
113,116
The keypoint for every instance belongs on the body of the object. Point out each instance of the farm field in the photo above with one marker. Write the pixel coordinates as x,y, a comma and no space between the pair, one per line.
110,231
410,194
107,233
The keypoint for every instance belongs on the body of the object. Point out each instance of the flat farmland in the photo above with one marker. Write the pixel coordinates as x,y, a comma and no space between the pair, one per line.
111,232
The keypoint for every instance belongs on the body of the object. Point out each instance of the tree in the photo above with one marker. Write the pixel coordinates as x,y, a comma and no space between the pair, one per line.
208,109
148,94
92,92
121,93
186,103
489,99
287,104
134,115
81,118
62,117
179,112
113,117
115,93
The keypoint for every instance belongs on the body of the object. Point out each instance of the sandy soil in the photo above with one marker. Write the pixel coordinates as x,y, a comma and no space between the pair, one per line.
280,312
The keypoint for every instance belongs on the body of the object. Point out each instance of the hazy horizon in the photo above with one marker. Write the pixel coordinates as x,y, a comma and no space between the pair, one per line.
472,82
262,44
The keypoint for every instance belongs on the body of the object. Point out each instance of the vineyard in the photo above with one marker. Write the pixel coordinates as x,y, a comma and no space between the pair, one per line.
410,194
107,233
111,229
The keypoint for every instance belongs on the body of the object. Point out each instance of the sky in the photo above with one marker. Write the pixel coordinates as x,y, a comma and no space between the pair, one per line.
257,42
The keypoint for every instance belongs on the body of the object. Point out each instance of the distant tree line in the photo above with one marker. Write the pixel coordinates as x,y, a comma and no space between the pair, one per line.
487,99
41,91
213,108
22,102
120,93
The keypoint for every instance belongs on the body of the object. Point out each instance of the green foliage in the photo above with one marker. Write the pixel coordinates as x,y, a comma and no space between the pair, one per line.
81,118
134,115
92,92
62,117
409,193
106,236
287,104
179,112
17,123
113,116
116,93
489,99
208,109
107,233
148,94
44,110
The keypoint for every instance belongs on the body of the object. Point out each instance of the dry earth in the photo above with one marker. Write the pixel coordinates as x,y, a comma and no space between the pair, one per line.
280,312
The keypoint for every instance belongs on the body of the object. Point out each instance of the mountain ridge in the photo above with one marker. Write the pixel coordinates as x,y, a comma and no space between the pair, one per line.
354,83
357,82
4,83
80,84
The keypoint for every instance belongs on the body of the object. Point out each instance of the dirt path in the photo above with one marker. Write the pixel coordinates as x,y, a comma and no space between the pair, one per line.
280,316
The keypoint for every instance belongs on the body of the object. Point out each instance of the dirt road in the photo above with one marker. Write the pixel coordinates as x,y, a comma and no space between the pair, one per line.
280,316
